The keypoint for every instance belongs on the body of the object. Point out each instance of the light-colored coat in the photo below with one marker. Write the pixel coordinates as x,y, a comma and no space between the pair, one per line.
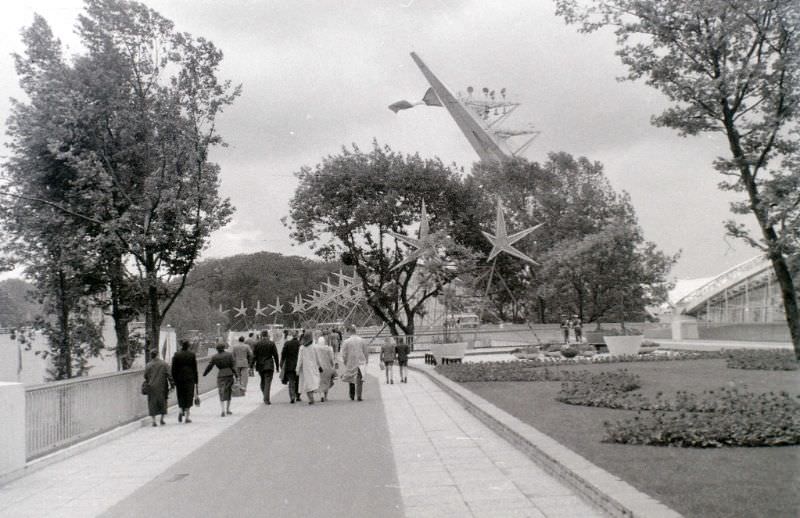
355,353
307,369
326,360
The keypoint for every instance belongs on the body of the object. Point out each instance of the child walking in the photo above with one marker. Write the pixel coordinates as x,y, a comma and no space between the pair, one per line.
387,358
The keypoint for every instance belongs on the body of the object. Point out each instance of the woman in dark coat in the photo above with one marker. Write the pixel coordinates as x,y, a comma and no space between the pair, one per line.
159,381
184,374
225,376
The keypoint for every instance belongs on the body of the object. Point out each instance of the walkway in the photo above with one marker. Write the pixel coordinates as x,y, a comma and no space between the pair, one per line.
407,450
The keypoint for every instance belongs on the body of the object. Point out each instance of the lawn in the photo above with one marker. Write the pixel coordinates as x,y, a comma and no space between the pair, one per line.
713,482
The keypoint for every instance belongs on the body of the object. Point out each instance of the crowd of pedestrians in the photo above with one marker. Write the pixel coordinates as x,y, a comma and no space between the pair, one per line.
309,363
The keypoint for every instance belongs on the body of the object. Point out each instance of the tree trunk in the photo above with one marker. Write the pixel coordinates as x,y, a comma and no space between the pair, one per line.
152,313
65,351
119,315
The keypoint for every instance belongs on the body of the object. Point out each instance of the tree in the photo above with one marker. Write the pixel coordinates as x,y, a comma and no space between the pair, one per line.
584,258
136,119
729,67
347,203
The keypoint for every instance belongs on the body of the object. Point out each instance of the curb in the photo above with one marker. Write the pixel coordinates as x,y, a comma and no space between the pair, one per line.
605,491
87,444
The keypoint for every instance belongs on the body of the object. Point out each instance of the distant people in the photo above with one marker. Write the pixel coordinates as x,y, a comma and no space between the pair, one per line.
242,357
184,374
289,353
335,340
577,328
159,381
308,369
265,361
326,360
388,353
226,373
402,349
565,325
355,357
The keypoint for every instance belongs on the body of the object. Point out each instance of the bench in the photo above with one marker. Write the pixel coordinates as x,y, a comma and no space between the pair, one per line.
443,354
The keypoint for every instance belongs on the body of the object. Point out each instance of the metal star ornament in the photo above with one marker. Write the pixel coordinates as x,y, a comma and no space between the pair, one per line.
241,311
423,244
260,309
502,242
298,306
277,307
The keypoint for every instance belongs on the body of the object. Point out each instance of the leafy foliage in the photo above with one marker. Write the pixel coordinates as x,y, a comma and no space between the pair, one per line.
733,68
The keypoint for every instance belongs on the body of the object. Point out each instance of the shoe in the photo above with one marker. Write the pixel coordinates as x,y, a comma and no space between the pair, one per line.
392,382
223,414
310,402
360,399
322,399
180,417
267,403
291,401
188,420
154,425
163,422
230,413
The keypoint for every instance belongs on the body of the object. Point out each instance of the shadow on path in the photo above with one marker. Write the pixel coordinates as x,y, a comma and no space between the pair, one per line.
331,459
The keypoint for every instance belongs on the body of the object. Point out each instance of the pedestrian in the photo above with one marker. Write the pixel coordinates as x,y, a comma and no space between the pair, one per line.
265,361
388,353
577,328
402,349
226,375
159,383
327,368
355,357
289,352
565,325
308,370
242,358
184,374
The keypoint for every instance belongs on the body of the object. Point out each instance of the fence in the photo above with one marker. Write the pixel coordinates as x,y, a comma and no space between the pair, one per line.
61,413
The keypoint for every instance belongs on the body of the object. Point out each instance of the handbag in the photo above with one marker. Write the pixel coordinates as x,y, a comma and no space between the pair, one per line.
381,365
196,396
145,388
237,390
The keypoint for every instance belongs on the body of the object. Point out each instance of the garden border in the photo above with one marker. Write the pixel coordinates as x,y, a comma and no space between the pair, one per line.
599,487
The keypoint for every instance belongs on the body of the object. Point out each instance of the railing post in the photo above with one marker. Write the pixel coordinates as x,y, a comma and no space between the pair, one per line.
12,438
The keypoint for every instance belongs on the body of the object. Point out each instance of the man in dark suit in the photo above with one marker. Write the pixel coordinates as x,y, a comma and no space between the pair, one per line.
291,349
265,360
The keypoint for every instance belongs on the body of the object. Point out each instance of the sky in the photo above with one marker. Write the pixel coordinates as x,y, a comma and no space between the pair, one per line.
319,74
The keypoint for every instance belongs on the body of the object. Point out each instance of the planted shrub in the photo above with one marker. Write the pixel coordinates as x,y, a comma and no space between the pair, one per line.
767,359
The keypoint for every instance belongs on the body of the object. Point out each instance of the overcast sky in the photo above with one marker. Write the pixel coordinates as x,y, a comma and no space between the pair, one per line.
318,75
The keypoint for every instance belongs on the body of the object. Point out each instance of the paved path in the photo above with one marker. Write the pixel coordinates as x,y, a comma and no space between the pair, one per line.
407,450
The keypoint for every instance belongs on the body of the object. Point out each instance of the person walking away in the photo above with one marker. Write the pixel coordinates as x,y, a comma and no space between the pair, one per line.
184,375
289,352
243,358
565,325
355,357
402,349
265,361
577,328
159,382
308,370
327,368
226,374
388,352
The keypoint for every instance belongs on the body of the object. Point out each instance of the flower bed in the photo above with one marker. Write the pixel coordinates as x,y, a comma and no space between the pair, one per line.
770,359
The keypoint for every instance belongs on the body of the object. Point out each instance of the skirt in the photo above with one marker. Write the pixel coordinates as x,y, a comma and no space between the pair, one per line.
224,386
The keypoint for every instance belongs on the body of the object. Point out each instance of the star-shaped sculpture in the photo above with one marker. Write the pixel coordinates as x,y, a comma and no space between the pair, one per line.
277,307
298,306
422,245
502,242
222,312
259,309
241,311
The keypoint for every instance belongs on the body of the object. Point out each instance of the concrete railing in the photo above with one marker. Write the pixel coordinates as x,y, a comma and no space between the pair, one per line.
61,413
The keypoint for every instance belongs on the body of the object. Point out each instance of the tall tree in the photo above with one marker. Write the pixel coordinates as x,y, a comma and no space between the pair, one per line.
136,120
347,203
729,67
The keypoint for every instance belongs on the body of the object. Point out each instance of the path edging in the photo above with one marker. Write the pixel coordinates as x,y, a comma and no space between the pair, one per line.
602,489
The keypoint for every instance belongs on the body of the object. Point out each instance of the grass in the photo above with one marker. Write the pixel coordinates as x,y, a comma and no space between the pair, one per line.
716,482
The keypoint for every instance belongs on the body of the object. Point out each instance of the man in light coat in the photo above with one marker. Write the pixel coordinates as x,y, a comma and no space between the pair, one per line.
355,357
242,357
